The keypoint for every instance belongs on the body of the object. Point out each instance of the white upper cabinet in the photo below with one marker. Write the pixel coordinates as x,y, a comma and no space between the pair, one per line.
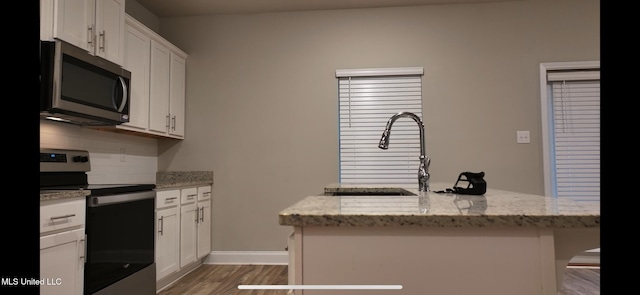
159,119
157,82
177,69
94,25
136,61
109,30
167,90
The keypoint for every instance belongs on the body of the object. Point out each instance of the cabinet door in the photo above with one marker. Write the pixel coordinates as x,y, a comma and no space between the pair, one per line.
167,242
73,22
159,88
188,219
177,93
62,263
136,60
109,22
204,228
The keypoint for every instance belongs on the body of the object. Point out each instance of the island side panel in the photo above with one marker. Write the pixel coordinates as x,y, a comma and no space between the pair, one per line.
433,261
295,259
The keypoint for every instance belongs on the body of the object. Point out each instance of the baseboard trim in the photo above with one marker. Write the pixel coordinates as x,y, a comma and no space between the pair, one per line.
248,257
282,258
586,258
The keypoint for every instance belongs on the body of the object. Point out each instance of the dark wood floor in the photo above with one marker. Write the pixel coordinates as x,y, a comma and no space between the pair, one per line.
581,281
224,279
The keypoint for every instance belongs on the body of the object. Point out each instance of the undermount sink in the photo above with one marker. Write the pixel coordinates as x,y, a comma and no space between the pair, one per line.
370,192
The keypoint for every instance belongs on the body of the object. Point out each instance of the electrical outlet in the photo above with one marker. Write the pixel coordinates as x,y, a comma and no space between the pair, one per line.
522,137
122,152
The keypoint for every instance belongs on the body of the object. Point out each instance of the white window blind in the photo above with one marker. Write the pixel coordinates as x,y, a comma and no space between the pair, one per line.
575,134
367,99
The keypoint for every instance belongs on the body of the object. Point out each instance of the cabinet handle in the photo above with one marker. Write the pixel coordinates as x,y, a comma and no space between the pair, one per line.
84,248
197,215
63,216
174,123
90,36
167,125
161,227
202,215
102,36
169,200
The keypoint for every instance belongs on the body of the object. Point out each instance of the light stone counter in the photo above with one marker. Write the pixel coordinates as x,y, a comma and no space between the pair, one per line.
163,180
494,208
437,243
59,195
183,178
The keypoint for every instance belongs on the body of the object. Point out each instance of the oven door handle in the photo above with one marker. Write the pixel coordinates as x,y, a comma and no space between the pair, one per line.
120,198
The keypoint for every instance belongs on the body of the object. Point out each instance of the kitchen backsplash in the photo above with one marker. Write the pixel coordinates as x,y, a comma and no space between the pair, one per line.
115,157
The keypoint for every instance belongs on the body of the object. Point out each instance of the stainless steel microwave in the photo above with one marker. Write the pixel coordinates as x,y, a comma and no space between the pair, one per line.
80,88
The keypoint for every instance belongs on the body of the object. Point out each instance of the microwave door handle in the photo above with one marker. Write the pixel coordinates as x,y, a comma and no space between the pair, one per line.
124,95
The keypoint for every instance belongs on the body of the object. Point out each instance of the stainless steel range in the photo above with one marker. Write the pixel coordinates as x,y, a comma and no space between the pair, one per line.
120,254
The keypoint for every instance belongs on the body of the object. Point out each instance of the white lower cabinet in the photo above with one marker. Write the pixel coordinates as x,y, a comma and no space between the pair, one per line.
195,226
184,228
167,232
204,229
62,247
188,226
62,263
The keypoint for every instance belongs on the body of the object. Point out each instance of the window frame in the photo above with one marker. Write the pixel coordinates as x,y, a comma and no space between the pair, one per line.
545,105
376,73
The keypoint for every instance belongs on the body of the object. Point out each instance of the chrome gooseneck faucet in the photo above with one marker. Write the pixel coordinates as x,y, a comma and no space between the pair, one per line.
423,168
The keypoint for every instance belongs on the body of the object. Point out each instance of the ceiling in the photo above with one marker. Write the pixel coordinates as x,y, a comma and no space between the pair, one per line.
173,8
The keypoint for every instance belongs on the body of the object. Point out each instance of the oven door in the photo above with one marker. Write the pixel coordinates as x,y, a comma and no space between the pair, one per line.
120,237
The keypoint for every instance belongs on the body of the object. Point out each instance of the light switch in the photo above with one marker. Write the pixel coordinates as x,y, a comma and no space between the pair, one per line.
522,137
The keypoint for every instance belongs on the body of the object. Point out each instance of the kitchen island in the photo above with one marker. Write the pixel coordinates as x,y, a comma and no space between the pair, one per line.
429,243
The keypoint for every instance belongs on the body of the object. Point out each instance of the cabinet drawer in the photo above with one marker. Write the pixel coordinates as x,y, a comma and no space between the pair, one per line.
189,195
167,198
62,215
204,193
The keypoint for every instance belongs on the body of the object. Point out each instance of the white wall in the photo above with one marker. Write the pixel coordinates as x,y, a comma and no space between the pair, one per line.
115,158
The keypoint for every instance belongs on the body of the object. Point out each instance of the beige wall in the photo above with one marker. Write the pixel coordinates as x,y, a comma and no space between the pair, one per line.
143,15
262,106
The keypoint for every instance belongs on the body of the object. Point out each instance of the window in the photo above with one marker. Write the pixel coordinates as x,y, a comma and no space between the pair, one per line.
367,99
571,129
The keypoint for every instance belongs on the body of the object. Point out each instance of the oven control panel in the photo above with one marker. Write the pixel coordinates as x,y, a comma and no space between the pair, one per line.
61,160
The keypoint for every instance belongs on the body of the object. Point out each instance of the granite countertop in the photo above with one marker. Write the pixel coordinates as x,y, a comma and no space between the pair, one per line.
163,180
58,195
494,208
183,178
